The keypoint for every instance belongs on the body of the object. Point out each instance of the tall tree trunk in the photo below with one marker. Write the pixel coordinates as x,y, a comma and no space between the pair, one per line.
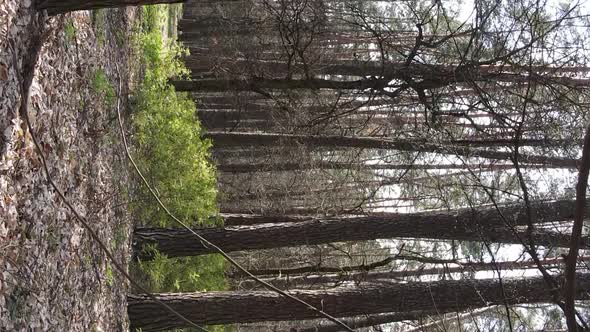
293,166
219,85
380,319
236,219
279,84
243,307
282,194
366,321
486,225
224,118
222,139
433,76
55,7
309,211
561,210
289,280
319,269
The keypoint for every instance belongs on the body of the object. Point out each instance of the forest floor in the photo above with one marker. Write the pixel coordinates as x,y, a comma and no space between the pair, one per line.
53,276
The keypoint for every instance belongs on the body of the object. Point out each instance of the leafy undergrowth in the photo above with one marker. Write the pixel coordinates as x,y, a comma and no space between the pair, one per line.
174,160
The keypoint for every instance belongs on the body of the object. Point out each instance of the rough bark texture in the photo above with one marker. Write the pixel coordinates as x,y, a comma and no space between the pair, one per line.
292,281
361,84
288,166
320,269
279,84
223,139
221,118
243,307
430,76
367,321
231,219
466,225
55,7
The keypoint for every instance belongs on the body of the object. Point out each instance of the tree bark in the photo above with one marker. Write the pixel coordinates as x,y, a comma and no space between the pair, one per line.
289,280
367,321
544,212
55,7
222,116
236,219
290,166
279,84
429,75
468,225
571,261
222,139
213,308
320,269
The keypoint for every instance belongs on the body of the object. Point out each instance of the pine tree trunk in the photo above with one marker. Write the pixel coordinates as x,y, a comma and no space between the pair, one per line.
279,84
486,225
222,139
429,82
432,76
366,321
317,269
291,166
290,280
244,307
231,219
224,119
55,7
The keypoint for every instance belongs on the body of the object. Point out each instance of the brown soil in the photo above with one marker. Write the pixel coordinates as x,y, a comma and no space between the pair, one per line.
52,275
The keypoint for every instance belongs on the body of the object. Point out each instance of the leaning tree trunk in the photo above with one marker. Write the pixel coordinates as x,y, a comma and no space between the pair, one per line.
484,225
213,308
55,7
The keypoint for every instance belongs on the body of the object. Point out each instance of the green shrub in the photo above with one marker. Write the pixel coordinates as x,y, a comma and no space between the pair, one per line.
174,159
69,33
199,273
103,88
171,153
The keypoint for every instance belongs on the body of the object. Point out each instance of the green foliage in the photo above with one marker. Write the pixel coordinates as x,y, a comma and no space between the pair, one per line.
151,18
174,160
99,21
69,32
101,86
120,37
109,277
172,154
174,12
200,273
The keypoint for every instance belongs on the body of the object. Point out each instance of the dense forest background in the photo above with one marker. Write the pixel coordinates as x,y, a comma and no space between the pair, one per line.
450,133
